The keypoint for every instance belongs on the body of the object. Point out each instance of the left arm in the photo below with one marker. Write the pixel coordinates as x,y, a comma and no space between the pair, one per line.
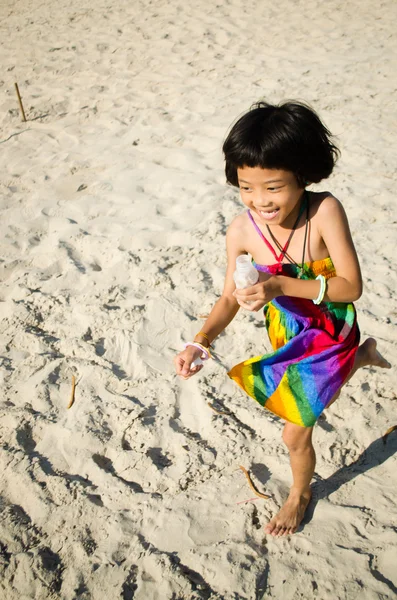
345,287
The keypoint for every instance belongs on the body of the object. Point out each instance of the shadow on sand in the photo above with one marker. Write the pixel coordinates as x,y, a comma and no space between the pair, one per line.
376,454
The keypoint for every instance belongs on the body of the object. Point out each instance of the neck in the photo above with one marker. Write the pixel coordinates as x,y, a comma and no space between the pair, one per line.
292,220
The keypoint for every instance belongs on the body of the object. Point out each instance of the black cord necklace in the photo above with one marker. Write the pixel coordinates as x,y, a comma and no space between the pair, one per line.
284,253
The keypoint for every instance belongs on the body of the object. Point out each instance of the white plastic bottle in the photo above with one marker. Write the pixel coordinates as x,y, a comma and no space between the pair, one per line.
196,362
245,274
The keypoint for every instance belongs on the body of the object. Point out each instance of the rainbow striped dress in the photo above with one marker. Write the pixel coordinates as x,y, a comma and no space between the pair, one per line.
314,349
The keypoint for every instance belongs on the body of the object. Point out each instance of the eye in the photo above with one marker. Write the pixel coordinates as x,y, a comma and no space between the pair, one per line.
245,188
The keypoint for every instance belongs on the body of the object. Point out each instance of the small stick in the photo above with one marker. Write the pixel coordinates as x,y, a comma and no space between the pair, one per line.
265,496
218,412
246,501
71,401
388,432
20,102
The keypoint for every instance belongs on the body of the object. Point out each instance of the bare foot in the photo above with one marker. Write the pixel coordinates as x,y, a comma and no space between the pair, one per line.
370,356
367,356
290,516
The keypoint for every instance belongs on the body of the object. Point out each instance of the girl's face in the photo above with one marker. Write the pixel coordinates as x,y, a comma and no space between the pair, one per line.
273,195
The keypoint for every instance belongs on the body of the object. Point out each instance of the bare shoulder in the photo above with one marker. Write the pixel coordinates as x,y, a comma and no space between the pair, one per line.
324,203
325,207
237,227
238,222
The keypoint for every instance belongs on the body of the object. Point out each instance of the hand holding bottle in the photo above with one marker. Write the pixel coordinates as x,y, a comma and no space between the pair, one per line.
245,274
253,289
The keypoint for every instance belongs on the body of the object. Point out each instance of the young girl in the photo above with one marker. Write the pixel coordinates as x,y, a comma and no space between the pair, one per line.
301,245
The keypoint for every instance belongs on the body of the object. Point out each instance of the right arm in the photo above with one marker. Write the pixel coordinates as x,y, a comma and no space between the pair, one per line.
223,311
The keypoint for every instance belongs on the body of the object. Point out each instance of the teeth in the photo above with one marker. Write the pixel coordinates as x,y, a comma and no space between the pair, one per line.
268,214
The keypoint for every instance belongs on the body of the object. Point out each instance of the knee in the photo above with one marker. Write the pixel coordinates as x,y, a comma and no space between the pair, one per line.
297,440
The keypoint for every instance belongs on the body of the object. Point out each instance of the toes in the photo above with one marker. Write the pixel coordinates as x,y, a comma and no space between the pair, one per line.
285,532
268,530
270,527
276,530
279,530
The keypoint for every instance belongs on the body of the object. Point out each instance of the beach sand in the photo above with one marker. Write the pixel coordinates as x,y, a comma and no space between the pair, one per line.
113,217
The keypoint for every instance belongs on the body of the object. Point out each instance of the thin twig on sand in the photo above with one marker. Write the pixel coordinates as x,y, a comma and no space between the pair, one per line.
253,488
71,401
388,432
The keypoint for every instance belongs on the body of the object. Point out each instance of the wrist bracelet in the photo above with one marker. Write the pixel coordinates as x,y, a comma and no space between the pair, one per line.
205,336
323,287
206,354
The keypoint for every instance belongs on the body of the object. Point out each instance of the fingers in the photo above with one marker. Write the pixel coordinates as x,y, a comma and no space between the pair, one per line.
183,369
251,298
186,371
179,363
245,305
181,366
252,289
251,306
192,372
245,295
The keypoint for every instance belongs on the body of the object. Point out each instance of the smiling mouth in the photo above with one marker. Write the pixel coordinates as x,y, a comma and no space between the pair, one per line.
268,214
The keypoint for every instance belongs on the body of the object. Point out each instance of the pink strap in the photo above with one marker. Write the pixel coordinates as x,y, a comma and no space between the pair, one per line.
278,258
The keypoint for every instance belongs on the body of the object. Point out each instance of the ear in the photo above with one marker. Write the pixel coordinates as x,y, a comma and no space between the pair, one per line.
301,181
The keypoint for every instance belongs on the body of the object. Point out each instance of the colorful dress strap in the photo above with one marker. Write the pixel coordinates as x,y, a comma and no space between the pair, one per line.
284,248
263,237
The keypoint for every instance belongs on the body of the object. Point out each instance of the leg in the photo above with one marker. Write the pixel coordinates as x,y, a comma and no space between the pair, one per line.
303,460
367,356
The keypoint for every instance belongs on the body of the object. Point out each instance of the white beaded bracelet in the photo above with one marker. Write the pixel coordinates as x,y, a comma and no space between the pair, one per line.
323,287
205,354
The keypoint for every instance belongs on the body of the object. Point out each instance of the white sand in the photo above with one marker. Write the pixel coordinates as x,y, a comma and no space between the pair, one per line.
134,491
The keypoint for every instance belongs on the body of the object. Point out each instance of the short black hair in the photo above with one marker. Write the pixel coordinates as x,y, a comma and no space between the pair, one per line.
287,136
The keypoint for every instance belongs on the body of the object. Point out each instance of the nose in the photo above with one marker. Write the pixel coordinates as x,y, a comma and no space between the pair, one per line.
261,199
